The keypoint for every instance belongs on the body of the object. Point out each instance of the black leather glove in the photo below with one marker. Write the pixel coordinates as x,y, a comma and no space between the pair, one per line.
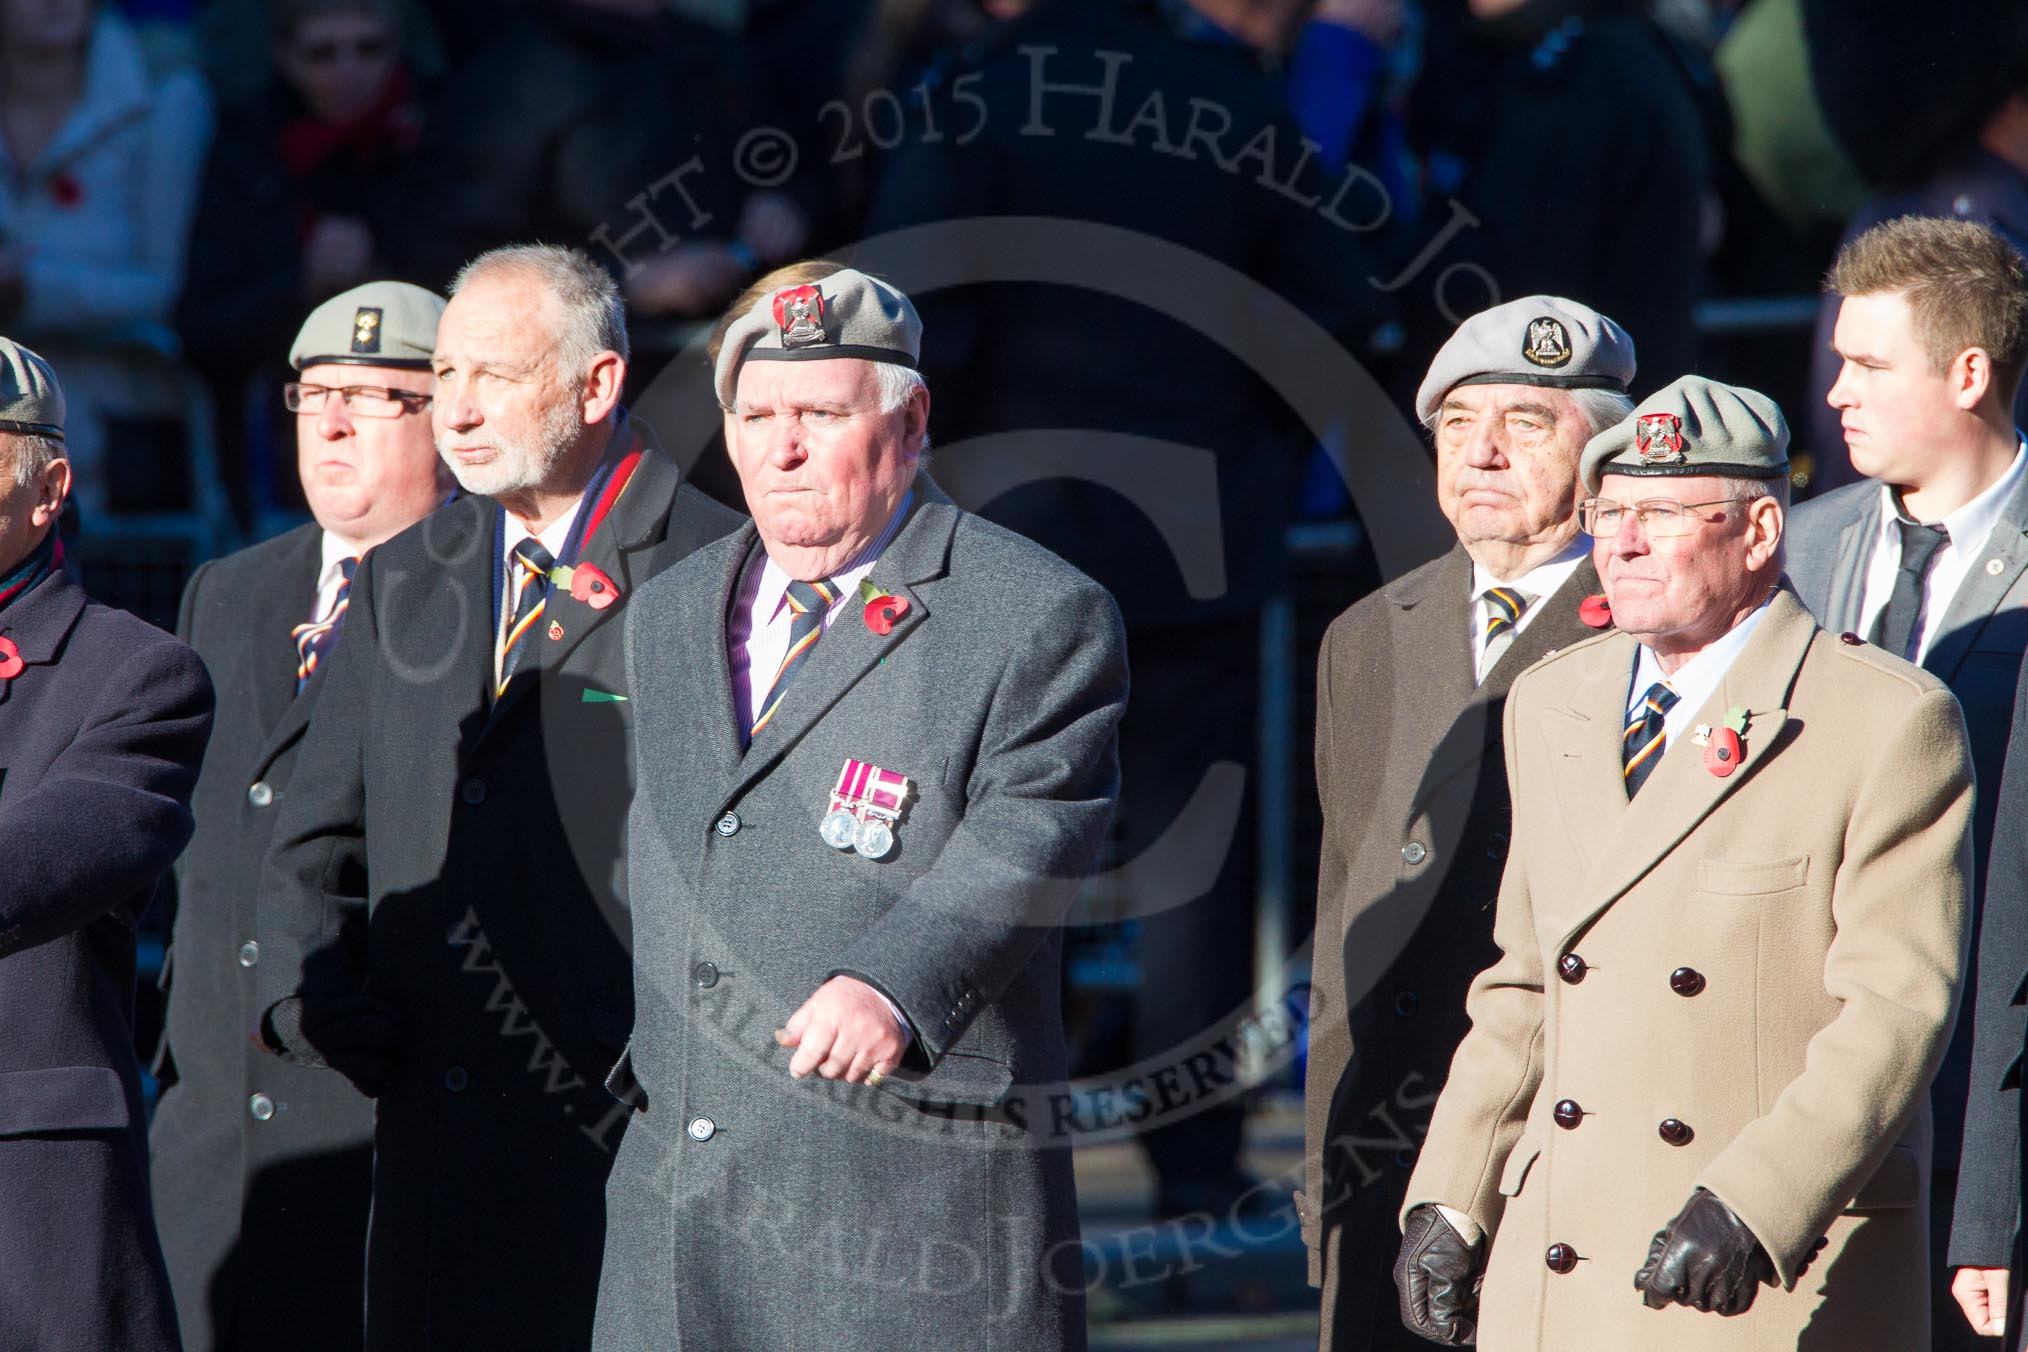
354,1035
1438,1275
1705,1258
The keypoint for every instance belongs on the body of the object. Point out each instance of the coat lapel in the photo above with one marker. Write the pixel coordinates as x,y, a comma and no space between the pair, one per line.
1990,575
1848,578
40,619
1634,836
849,649
272,613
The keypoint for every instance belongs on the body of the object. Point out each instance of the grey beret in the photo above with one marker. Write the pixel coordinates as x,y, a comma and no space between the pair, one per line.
847,314
1537,340
378,324
31,402
1693,426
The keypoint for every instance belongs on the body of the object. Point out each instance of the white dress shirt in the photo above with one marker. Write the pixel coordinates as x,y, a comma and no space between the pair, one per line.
1694,682
1966,531
1538,583
553,538
329,577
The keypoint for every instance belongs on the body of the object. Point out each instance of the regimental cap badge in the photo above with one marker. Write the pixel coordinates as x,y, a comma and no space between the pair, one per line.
1548,343
799,314
366,330
1659,438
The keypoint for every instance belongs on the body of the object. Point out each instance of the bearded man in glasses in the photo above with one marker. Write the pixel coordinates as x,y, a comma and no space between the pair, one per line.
262,1171
1691,1110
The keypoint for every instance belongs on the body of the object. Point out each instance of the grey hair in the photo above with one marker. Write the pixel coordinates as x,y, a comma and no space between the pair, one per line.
33,455
1742,489
898,385
1602,408
594,316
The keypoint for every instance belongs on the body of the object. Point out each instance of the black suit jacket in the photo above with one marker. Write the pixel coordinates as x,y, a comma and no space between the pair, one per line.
460,861
261,1170
101,733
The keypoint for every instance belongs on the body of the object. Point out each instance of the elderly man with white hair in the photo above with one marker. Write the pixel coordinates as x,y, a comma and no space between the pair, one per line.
877,747
443,913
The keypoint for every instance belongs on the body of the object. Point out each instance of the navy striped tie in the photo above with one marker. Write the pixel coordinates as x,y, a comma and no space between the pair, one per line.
1645,739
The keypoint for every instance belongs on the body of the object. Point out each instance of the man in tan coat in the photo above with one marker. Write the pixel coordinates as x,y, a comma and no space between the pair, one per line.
1732,929
1416,826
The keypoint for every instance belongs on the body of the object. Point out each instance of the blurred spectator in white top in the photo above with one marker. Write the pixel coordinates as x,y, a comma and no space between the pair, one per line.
98,179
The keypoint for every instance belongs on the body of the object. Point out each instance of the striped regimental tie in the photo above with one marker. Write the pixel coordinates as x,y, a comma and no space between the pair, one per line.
314,639
1504,608
527,595
809,601
1644,741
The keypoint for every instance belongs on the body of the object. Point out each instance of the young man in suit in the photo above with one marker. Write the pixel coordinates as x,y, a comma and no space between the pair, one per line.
445,893
877,745
262,1171
103,721
1731,931
1929,558
1414,838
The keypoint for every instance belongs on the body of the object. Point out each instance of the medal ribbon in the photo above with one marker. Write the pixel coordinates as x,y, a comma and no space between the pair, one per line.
865,786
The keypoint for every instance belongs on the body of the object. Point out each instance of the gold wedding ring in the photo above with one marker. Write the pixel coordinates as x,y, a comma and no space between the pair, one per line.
873,1079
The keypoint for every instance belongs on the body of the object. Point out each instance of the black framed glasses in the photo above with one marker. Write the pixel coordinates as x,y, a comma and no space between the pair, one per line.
365,401
1601,518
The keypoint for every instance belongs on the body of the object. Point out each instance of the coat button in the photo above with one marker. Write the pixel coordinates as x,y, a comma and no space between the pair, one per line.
727,825
1496,845
261,1106
1414,852
1675,1132
1562,1259
702,1128
1995,567
249,953
1406,1003
1850,639
705,974
261,793
1686,981
1571,968
1568,1115
456,1078
474,792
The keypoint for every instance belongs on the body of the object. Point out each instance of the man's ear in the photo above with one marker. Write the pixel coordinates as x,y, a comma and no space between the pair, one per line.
1765,523
918,418
1971,377
602,386
50,492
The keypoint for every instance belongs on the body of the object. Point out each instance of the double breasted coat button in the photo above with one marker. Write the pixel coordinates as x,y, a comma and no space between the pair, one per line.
705,974
1850,639
261,1106
1571,968
1561,1258
1568,1115
1406,1003
702,1128
1414,852
1675,1132
727,825
1686,981
261,793
474,792
456,1078
249,953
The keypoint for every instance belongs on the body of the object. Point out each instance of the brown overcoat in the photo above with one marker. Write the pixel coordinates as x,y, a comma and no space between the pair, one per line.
1771,959
1414,794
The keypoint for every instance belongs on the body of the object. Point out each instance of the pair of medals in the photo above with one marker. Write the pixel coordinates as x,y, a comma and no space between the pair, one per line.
865,807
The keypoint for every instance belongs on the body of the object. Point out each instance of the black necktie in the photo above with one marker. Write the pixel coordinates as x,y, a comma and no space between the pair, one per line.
527,594
1644,741
1900,622
314,639
809,600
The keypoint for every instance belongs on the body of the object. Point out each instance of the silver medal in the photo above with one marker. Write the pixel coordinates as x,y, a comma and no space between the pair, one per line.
874,838
838,828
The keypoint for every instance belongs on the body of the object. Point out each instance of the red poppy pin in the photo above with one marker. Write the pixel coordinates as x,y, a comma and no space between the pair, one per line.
1595,611
883,609
10,660
1723,749
64,189
587,583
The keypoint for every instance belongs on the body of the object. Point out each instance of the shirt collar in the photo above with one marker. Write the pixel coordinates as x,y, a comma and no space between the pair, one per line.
335,552
774,583
1697,678
1972,524
1540,580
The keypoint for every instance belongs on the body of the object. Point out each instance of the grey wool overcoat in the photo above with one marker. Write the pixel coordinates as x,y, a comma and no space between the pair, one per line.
749,1210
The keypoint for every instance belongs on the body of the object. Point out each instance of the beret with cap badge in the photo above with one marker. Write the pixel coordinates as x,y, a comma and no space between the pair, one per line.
31,402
